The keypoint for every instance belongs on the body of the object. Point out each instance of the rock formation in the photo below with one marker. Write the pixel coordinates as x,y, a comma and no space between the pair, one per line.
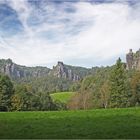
19,72
61,71
133,60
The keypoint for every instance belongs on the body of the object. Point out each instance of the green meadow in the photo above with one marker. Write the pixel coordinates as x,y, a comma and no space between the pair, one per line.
63,97
100,123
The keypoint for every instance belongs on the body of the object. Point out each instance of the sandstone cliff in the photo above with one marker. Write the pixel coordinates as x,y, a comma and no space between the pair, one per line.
60,70
133,60
17,71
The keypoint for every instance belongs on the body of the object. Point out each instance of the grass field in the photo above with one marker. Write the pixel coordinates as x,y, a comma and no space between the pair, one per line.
111,123
63,97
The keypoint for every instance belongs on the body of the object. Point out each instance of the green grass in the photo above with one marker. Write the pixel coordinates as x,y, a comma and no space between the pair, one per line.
63,97
110,123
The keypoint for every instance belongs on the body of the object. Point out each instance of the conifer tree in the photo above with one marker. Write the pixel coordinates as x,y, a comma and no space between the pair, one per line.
6,91
118,86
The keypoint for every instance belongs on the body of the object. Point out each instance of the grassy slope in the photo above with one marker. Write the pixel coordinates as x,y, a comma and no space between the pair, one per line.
63,97
111,123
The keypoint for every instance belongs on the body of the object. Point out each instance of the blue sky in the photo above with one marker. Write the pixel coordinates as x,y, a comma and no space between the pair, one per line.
78,32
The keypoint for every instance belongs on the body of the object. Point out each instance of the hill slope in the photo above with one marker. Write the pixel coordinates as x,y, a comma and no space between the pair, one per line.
15,71
63,97
59,78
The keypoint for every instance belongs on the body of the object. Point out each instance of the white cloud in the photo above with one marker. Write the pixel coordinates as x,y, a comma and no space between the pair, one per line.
113,33
109,31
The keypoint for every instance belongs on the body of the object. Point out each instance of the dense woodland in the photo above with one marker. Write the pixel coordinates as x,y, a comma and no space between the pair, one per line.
105,87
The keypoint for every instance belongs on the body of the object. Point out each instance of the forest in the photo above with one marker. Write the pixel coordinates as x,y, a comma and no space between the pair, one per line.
104,87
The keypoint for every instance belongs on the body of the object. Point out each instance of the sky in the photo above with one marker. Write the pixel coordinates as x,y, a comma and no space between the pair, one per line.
84,33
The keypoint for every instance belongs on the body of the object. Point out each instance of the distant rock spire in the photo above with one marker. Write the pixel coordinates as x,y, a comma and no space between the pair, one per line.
129,59
62,71
133,60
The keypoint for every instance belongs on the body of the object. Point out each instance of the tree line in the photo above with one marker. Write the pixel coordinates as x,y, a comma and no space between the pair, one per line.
105,87
109,87
23,97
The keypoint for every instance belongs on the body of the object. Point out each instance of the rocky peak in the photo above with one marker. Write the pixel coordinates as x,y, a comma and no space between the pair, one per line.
22,72
62,71
17,71
133,60
129,59
60,63
7,66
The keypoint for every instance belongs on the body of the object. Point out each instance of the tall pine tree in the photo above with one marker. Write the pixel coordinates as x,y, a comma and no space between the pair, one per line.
6,91
118,86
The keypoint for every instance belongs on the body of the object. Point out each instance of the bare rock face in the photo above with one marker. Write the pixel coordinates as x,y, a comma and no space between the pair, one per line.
9,68
61,71
17,72
129,59
133,60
